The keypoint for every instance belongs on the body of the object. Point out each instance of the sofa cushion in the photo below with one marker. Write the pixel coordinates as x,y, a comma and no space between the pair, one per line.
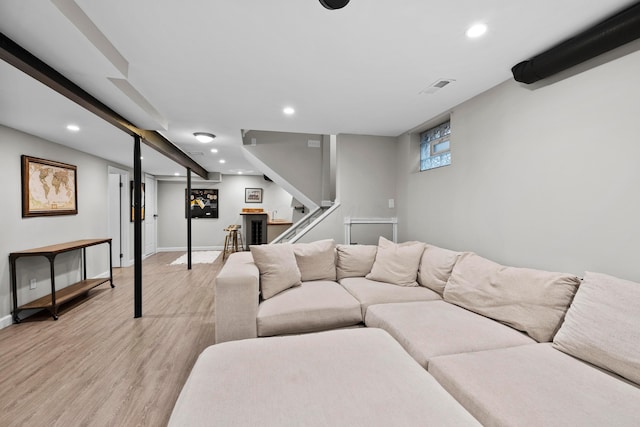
435,267
532,301
314,306
277,266
602,325
317,260
370,292
536,385
354,260
434,328
396,263
336,378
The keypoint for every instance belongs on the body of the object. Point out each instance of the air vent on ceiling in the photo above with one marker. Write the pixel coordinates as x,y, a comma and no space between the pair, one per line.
436,86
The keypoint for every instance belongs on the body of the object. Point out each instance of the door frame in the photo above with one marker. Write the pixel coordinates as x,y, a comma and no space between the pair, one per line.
123,221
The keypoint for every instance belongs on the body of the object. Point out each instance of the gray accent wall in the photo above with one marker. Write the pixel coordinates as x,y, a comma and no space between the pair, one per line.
25,233
366,180
209,233
290,156
544,177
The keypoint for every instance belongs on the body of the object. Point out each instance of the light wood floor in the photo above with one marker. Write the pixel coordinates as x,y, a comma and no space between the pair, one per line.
97,365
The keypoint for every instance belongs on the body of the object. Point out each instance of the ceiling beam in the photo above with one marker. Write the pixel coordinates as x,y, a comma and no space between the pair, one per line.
14,54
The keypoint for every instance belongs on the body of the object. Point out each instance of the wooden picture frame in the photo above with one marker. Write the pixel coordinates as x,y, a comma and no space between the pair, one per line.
133,209
48,188
253,195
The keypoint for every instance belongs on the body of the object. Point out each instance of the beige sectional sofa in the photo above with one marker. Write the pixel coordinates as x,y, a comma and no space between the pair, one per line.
514,346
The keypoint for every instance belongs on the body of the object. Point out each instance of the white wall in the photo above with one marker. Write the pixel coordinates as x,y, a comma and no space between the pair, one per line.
209,233
24,233
365,180
545,178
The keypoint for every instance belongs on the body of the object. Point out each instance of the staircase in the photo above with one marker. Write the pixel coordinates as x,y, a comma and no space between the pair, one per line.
306,224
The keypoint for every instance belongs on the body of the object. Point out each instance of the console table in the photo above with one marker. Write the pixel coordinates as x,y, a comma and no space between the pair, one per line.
52,302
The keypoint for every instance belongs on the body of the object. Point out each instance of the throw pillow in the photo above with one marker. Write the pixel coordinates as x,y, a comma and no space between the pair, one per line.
435,268
601,326
317,260
277,266
354,260
396,263
532,301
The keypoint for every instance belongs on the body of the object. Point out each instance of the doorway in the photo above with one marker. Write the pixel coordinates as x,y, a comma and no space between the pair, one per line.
117,216
150,227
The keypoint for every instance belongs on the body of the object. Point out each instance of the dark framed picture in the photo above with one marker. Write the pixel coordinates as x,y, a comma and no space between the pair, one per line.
203,203
48,188
253,195
133,213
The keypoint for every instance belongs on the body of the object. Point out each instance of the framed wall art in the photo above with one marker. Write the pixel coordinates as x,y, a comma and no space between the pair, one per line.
48,188
203,203
133,210
253,195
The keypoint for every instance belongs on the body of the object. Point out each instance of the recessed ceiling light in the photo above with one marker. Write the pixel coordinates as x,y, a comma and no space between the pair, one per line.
73,128
239,172
214,150
288,111
177,174
204,136
476,30
223,161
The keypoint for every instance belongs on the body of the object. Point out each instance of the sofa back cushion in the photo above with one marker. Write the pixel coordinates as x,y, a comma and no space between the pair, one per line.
396,263
277,266
317,260
354,260
435,268
532,301
602,326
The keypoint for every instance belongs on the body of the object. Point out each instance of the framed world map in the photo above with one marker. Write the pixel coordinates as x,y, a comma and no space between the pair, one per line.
48,188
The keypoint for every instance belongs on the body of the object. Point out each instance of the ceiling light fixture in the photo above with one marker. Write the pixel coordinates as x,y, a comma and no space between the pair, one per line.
177,174
288,111
73,128
476,31
222,161
204,137
214,150
334,4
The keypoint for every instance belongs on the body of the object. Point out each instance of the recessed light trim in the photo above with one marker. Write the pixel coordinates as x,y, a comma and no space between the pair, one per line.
204,137
289,111
73,128
476,30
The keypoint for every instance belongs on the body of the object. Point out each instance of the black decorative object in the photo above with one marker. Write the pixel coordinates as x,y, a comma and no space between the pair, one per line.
334,4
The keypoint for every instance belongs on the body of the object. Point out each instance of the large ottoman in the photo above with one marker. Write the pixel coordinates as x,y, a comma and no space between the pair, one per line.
355,377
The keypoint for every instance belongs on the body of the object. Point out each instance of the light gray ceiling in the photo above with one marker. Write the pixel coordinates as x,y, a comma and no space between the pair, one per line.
223,66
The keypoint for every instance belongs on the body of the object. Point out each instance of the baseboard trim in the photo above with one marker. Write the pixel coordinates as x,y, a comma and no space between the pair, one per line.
6,321
193,248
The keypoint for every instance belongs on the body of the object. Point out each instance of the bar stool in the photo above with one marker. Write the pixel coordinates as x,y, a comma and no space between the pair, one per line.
231,240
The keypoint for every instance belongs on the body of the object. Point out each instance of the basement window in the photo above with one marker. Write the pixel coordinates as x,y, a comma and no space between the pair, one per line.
435,147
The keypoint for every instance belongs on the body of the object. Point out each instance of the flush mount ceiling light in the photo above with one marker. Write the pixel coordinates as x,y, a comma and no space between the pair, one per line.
334,4
73,128
222,161
476,31
214,150
288,111
204,137
177,173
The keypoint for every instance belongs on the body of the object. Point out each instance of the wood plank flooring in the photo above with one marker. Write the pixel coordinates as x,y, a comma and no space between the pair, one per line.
97,365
